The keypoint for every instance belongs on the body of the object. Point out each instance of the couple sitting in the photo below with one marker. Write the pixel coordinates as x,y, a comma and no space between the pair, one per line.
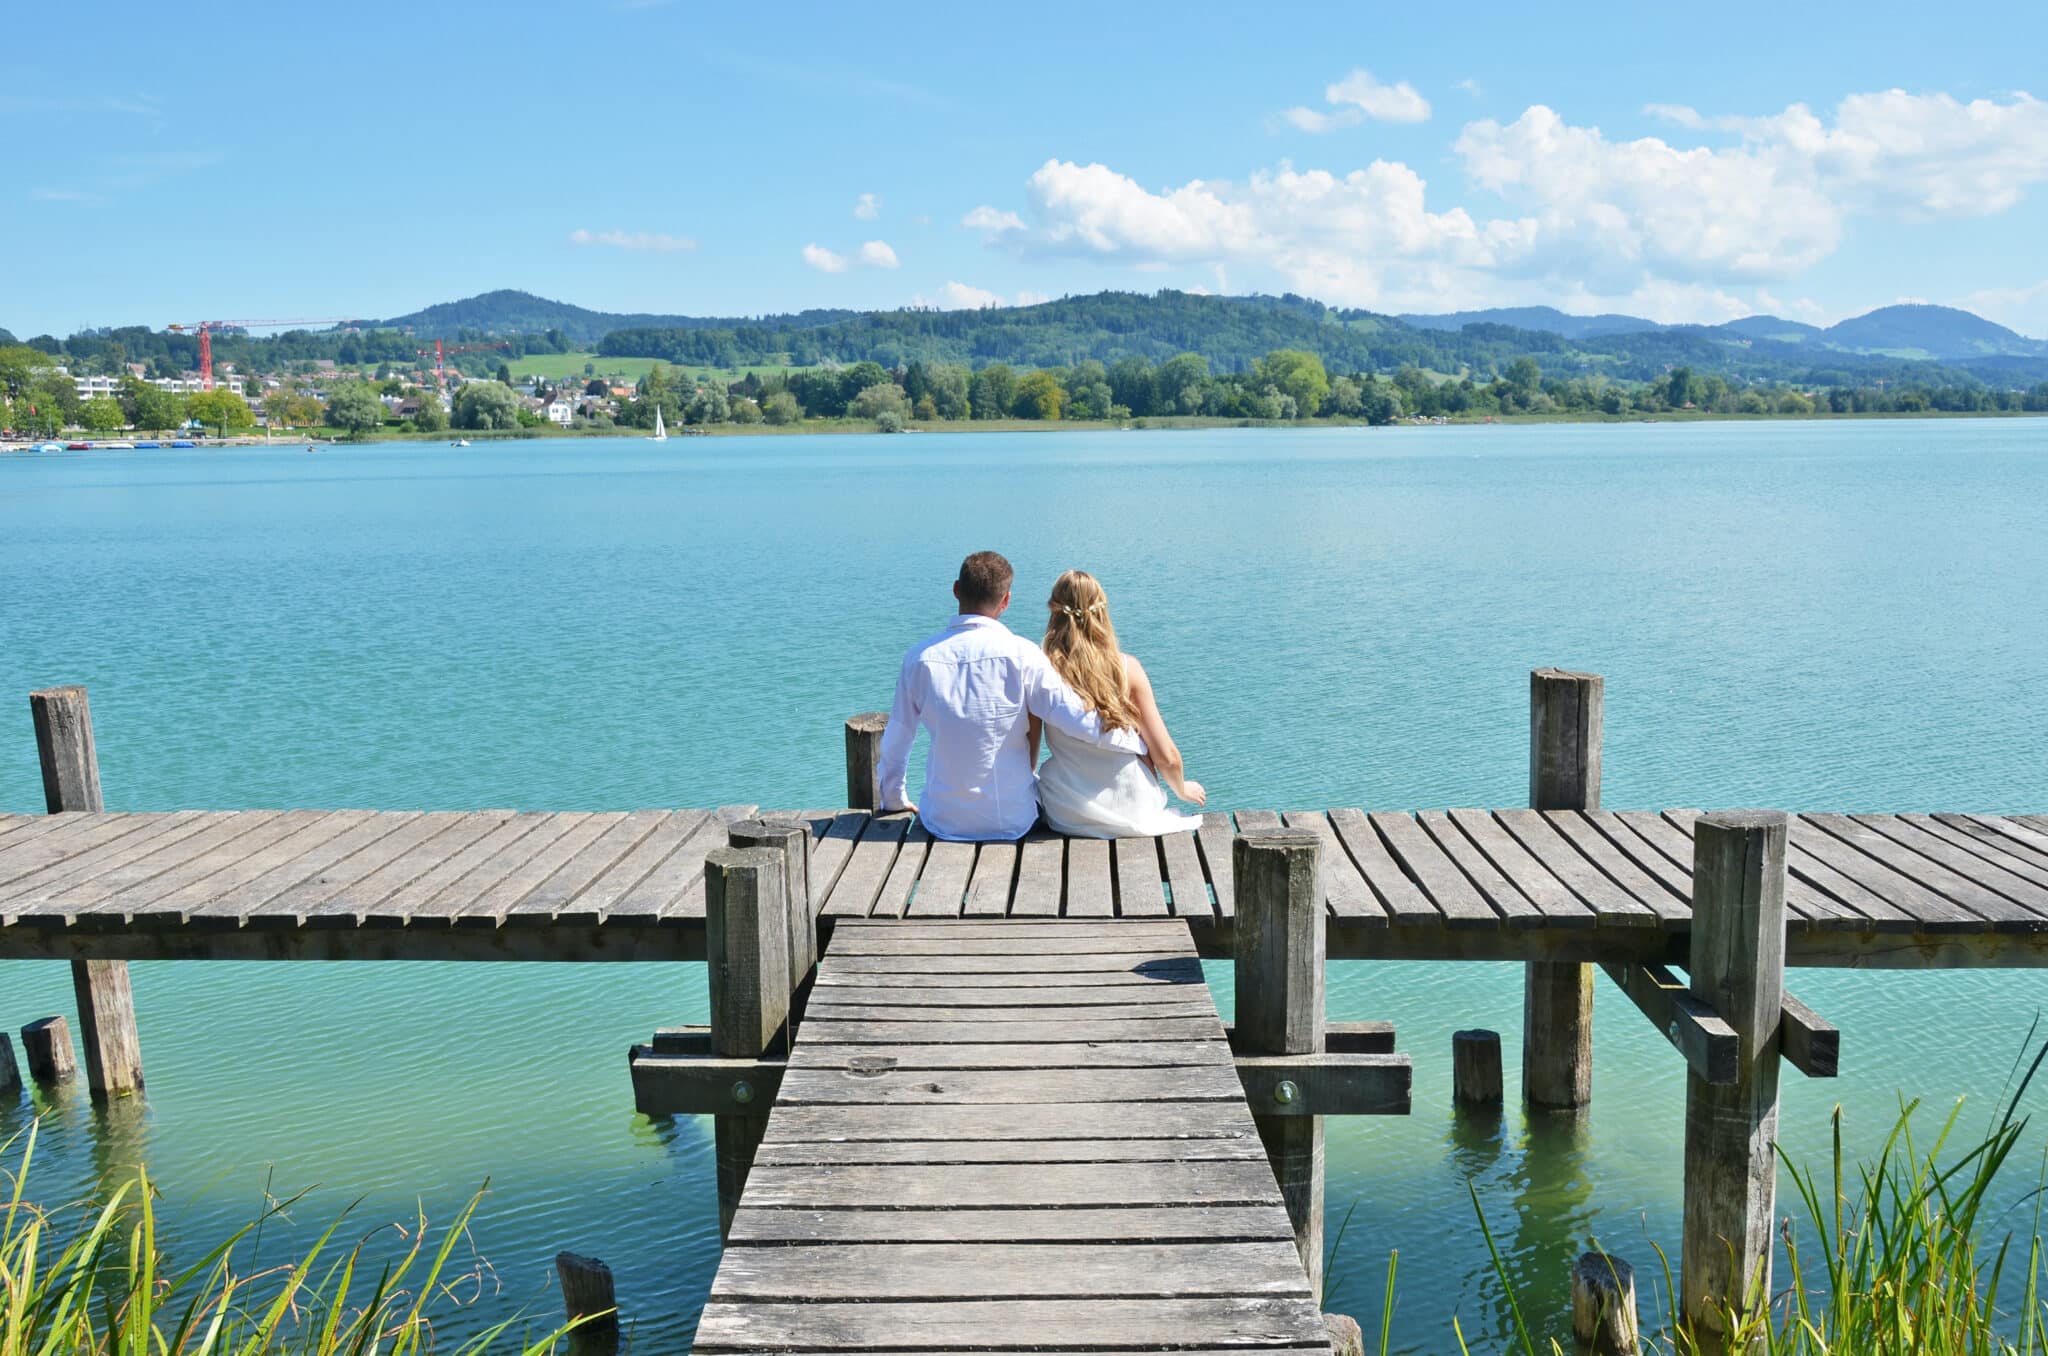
987,695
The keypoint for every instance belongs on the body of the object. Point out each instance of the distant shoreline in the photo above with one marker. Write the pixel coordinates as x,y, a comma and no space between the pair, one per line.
326,438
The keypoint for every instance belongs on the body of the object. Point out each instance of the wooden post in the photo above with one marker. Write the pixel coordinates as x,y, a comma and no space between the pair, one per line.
1604,1306
10,1072
1475,1069
71,783
46,1049
1280,1006
1557,996
746,950
1738,967
587,1293
791,838
864,760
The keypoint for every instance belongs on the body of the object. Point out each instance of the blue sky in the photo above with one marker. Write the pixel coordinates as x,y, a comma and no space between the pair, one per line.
1690,163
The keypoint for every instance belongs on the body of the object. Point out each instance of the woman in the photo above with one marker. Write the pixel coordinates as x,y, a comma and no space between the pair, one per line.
1090,791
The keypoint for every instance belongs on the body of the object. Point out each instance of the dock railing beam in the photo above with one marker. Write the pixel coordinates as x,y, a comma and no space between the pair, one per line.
746,949
1557,996
864,759
106,1003
1738,968
1280,1005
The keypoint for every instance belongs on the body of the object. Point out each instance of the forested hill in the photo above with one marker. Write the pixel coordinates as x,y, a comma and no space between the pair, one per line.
511,312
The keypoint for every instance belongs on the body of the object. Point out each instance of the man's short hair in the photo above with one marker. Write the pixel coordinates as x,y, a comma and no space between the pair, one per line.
984,578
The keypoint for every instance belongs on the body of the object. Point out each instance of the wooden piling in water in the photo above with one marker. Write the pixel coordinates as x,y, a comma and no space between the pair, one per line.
10,1072
792,839
1737,967
46,1049
746,946
1565,716
1604,1306
864,760
71,784
587,1293
1279,969
1475,1069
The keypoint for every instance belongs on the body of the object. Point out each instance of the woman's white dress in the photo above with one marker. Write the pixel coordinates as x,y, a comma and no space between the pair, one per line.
1089,791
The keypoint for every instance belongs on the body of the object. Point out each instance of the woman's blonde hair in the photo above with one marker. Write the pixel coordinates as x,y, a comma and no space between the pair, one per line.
1081,642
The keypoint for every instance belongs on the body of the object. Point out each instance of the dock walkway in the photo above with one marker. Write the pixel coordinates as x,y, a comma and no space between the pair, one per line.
1864,889
1010,1136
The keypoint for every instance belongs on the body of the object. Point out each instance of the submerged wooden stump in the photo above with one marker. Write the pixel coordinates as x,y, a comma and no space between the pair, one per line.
46,1047
1475,1069
1604,1306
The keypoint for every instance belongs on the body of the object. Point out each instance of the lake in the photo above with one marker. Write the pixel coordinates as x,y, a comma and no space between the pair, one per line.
1799,615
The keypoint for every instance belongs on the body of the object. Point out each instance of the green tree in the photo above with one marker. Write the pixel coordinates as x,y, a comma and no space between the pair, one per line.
884,397
429,417
487,404
1524,375
355,409
157,409
746,411
1299,376
1346,398
1678,387
707,405
992,391
221,408
504,374
1038,396
781,408
1179,383
102,414
1131,385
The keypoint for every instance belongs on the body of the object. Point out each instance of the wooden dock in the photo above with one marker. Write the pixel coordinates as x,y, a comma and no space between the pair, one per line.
1560,885
1010,1136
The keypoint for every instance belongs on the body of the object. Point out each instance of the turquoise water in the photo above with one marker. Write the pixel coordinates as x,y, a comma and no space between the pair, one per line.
1841,615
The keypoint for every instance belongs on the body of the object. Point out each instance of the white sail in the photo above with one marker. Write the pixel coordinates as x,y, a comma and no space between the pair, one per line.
660,433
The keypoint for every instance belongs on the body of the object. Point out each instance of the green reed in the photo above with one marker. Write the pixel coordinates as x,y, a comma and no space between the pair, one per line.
97,1280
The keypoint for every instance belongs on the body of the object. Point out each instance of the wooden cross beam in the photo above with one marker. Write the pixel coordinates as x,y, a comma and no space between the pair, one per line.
1709,1044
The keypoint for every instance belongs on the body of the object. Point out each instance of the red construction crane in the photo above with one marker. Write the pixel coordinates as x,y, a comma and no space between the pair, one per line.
441,353
206,328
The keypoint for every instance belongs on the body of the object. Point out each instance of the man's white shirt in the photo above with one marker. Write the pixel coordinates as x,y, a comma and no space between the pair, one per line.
974,686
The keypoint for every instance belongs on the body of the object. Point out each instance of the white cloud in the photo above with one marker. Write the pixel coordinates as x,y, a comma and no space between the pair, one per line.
959,296
877,254
2024,309
1387,103
824,260
867,207
1026,297
1471,87
1682,114
994,222
1309,120
658,241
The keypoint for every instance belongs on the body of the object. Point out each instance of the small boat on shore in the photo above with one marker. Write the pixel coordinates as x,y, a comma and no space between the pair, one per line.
183,442
148,445
460,442
78,447
115,447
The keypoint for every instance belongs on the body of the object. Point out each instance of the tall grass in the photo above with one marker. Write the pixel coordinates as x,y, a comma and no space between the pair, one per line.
1895,1257
97,1280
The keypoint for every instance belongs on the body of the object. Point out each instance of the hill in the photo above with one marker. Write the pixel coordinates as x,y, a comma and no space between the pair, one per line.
1930,331
1546,318
508,311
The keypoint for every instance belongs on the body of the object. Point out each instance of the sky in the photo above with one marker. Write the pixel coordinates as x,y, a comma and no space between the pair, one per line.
1686,163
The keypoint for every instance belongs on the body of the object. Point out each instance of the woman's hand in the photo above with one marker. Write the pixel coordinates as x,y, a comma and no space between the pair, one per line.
1193,793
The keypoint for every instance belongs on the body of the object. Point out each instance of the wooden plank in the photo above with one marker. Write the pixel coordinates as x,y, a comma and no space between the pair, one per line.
78,894
1180,971
2009,838
1828,898
1985,844
967,1055
1808,1043
894,899
2029,830
838,834
1454,897
962,1186
1673,907
69,837
1011,996
327,888
361,895
604,896
1511,907
1028,1325
1185,879
1928,909
1150,931
1213,838
162,831
485,873
1008,1087
988,889
945,1271
214,855
919,1033
1694,1029
675,889
1079,1120
1140,888
1041,875
886,1011
433,896
1929,875
1090,893
491,906
1962,864
1345,892
867,867
1245,1149
230,895
1001,964
849,943
1611,904
548,896
1559,906
942,885
1192,1223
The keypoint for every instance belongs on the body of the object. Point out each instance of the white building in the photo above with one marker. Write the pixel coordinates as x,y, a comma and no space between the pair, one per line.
561,412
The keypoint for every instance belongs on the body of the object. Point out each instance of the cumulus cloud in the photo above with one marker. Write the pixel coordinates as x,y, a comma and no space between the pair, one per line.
877,254
867,207
959,296
2024,309
872,254
658,241
824,260
1311,120
992,221
1355,98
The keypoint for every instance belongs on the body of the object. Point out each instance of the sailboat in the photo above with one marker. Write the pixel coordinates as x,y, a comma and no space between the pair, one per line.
660,434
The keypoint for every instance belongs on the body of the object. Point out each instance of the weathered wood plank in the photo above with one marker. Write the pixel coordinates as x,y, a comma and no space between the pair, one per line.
162,831
1041,875
1986,845
74,840
1150,931
894,898
1345,892
226,894
997,964
1213,838
112,899
1926,908
1030,1325
336,890
1453,895
838,833
1559,906
1612,905
962,1124
1185,880
867,867
1156,996
1013,1151
483,872
1829,899
1180,971
1140,887
920,1033
959,1186
946,1271
942,886
1643,887
555,878
988,889
1194,1223
1090,891
1954,874
1510,905
1007,1087
849,943
433,895
965,1055
603,896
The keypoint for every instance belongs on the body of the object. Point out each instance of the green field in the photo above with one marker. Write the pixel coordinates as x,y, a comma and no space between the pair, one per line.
566,366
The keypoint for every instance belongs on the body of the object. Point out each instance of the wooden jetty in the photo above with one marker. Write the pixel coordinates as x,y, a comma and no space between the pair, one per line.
1027,1018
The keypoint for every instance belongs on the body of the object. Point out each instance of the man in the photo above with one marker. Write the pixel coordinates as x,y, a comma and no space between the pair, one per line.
975,686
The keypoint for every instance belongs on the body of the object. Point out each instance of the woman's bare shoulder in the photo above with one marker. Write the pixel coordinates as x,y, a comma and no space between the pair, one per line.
1134,673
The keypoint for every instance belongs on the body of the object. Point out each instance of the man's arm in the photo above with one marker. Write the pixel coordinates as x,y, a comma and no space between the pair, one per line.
896,741
1047,696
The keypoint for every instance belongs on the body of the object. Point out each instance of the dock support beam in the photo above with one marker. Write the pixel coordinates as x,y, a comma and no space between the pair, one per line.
792,839
1557,996
1738,968
746,950
1280,1006
71,784
864,760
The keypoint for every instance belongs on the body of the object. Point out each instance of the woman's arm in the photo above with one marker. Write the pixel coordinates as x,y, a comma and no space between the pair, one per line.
1031,733
1166,759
